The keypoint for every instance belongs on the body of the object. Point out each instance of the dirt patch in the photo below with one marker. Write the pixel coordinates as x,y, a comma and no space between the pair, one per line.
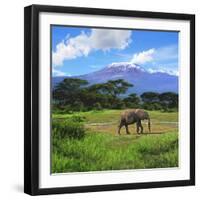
112,127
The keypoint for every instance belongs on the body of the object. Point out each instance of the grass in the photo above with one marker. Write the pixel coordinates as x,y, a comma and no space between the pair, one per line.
107,121
102,149
113,115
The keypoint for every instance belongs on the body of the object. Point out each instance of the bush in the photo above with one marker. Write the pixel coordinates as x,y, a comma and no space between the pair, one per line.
68,129
119,105
78,106
152,106
62,109
97,106
76,118
165,109
132,105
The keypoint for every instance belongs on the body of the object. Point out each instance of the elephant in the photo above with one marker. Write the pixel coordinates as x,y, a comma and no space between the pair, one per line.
132,116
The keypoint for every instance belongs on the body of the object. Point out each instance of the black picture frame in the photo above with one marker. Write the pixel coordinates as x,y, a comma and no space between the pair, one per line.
31,98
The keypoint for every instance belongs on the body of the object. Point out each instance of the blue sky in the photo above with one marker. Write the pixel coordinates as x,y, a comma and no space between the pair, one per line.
77,50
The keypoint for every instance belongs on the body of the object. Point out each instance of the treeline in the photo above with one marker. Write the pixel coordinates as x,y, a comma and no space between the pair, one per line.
77,95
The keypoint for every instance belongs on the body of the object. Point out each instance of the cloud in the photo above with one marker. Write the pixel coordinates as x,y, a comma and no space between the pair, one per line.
70,49
105,39
164,70
144,56
85,43
169,68
169,52
163,59
95,66
59,73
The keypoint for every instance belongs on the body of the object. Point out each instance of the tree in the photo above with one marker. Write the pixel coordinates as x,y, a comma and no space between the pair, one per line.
91,97
68,91
117,87
97,106
169,100
113,87
107,93
132,100
150,97
151,101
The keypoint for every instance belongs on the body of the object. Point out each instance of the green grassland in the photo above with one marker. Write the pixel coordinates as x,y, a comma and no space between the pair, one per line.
103,149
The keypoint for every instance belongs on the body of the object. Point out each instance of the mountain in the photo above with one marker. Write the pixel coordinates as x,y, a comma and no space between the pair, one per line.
142,79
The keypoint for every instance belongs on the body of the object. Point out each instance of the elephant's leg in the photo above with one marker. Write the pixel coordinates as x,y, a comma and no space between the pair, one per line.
127,131
141,127
119,128
137,127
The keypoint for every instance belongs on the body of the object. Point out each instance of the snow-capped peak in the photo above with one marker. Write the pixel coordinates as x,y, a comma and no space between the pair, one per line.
129,66
125,66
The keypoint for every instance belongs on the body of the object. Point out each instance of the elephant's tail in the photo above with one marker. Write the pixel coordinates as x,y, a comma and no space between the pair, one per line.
149,124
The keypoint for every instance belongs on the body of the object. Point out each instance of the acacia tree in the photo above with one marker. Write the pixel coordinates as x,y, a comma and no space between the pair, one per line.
117,87
151,100
132,100
169,100
150,97
107,94
68,91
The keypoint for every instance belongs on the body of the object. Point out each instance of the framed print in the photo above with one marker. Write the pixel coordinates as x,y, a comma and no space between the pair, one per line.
109,100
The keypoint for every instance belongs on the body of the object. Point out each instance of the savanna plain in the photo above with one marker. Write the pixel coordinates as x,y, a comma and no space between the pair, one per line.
88,141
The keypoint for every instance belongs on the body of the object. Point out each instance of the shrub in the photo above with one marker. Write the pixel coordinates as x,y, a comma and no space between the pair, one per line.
119,105
78,106
97,106
68,129
62,109
165,109
152,106
148,106
76,118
